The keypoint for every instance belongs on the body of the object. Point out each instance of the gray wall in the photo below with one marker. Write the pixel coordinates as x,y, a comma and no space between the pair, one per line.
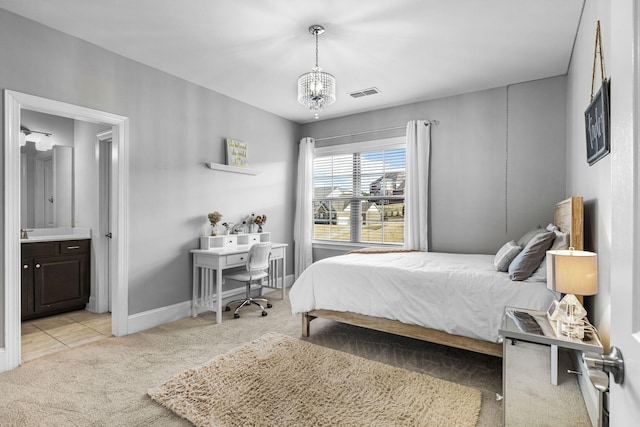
175,127
594,182
497,160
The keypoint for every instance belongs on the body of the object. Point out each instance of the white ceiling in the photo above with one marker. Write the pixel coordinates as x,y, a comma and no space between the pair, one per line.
254,50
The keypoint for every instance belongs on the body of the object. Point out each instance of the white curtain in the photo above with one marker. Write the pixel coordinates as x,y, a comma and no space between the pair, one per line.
416,202
303,223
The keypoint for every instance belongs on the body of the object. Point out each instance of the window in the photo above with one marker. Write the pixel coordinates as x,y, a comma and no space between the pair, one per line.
358,192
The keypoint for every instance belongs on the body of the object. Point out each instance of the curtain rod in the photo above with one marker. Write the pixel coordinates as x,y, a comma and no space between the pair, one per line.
434,122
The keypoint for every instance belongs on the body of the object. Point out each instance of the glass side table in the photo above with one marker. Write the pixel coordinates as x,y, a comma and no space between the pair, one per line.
530,358
511,331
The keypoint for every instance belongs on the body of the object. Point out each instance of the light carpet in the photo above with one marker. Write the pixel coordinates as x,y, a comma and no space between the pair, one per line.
105,383
279,380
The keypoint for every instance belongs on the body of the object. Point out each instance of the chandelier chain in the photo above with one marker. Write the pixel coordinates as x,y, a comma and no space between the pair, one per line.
316,31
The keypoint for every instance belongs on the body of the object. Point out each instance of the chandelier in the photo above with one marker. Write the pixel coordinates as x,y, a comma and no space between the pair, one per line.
316,89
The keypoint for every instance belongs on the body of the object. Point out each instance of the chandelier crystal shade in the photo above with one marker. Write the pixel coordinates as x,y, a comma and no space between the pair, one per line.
316,89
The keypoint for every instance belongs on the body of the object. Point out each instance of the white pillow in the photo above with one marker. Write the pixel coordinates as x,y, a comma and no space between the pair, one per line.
560,242
505,255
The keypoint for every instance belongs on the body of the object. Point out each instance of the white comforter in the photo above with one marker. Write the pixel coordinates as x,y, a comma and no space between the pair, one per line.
456,293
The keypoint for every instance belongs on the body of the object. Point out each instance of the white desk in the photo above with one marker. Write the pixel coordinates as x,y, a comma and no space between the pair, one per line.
208,266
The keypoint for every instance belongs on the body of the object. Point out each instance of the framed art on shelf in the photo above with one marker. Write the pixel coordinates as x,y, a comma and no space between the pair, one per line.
596,121
237,153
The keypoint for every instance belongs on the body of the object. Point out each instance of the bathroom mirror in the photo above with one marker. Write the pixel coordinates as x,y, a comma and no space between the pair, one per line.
46,187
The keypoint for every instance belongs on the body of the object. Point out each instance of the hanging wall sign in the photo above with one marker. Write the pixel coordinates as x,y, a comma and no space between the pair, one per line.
596,116
596,121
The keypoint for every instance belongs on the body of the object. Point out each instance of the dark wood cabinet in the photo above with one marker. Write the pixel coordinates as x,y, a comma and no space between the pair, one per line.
55,277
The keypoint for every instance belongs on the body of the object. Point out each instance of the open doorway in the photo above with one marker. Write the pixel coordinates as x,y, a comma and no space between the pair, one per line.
118,210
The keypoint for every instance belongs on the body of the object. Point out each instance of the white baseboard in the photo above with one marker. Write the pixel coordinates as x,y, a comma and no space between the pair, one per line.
159,316
91,305
4,362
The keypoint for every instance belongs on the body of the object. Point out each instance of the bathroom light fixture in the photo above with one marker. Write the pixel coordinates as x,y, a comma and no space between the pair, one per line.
28,131
35,136
44,145
316,89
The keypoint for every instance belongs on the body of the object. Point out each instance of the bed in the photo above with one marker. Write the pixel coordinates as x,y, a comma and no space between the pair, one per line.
456,300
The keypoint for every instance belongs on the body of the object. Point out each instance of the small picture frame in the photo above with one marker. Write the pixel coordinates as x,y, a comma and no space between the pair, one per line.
596,121
237,153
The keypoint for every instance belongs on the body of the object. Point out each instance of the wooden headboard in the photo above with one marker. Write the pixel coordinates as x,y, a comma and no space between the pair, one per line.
569,218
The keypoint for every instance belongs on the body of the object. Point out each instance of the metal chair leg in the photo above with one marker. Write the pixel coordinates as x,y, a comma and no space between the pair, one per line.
248,301
264,301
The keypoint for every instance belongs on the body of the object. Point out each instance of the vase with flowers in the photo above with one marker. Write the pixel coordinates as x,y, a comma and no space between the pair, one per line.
260,221
228,226
214,218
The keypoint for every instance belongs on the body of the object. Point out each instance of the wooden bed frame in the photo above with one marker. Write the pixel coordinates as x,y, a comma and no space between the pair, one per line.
569,219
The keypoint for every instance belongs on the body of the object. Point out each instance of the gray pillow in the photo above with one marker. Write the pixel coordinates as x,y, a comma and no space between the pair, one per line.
529,235
505,255
531,256
561,241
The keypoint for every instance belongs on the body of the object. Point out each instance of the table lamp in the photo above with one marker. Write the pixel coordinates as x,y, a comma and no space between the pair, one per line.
572,273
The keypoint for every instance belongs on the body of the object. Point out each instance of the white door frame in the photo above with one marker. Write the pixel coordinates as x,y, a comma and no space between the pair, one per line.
13,103
104,248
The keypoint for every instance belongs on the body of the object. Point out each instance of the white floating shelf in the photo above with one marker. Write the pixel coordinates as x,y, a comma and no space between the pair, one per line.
234,169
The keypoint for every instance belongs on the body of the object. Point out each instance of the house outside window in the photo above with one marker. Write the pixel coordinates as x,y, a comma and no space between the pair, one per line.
358,192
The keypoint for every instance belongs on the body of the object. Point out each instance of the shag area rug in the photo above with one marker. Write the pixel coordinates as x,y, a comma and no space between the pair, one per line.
284,381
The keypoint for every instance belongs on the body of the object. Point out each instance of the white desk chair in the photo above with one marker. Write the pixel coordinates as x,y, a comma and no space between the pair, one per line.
258,261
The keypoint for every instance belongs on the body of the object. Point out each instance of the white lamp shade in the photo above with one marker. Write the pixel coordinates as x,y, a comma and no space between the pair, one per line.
572,272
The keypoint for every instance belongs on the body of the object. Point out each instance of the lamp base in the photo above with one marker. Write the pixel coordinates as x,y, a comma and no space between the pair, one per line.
572,330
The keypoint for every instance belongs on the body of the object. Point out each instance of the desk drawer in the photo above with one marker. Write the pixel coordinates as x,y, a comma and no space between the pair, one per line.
213,242
236,260
207,261
277,253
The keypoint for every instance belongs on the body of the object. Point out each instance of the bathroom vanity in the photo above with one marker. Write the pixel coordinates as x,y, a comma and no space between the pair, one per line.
55,275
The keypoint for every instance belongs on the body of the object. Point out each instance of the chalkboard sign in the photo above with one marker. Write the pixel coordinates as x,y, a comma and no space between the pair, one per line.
596,121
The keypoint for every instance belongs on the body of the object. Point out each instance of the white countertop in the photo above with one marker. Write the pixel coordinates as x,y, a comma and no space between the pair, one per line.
55,234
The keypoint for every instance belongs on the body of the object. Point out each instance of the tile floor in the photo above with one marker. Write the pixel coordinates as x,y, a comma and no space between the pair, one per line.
62,331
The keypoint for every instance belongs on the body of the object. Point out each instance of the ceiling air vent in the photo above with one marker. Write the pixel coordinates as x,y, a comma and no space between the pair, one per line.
364,92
